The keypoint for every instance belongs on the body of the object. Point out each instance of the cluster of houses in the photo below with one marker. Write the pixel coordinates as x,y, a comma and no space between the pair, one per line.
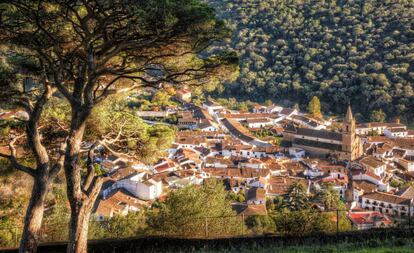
370,165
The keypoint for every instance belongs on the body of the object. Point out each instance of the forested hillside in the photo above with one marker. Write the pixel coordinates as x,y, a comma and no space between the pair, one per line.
337,50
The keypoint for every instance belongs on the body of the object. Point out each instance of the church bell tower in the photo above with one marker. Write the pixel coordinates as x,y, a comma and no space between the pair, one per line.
349,134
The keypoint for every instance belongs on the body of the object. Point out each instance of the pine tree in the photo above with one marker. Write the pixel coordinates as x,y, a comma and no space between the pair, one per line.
296,198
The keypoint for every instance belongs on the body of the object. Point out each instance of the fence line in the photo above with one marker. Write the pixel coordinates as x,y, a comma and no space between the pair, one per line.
204,227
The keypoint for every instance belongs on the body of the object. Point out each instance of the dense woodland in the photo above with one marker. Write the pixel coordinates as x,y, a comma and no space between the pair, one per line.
362,51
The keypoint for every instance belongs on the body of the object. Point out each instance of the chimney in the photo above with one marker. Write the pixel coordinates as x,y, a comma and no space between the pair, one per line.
397,120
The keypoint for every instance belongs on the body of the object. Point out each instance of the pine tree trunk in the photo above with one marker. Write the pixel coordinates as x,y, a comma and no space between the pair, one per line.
34,215
79,202
78,234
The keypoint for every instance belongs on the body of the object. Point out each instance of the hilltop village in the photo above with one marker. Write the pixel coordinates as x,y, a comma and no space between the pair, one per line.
370,165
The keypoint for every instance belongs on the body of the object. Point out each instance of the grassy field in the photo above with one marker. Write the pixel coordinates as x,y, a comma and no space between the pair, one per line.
403,249
393,245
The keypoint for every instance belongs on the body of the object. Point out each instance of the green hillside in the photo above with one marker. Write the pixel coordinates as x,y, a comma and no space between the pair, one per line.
337,50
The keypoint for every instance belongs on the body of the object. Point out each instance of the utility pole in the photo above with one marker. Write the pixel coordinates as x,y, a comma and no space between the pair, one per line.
15,236
409,214
206,227
242,225
337,221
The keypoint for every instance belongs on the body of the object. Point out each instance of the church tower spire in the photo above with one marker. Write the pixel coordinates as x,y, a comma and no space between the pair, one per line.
349,117
348,125
350,141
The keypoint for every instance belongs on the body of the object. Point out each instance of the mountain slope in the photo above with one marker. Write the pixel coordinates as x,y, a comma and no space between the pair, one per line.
337,50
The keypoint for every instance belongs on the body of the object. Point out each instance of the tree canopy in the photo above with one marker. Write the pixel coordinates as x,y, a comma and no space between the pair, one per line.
340,51
314,107
185,211
84,52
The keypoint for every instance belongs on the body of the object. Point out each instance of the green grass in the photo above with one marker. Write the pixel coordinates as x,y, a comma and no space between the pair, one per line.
372,246
403,249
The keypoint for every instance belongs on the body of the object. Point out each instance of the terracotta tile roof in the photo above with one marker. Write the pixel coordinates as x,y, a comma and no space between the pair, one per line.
335,180
286,111
237,172
258,120
165,166
407,192
319,133
279,185
405,143
371,161
250,115
386,197
379,124
372,174
364,218
182,91
123,173
238,130
250,210
378,139
117,202
364,186
397,130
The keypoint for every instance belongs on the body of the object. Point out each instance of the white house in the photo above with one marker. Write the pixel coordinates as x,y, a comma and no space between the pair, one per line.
297,152
253,163
212,107
373,164
338,181
407,163
386,203
372,178
259,122
140,185
377,127
396,132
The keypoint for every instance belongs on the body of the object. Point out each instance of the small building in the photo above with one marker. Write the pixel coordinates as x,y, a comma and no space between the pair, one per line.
183,95
119,202
401,132
361,187
386,203
256,196
377,127
258,123
141,185
279,185
368,220
373,164
249,210
407,163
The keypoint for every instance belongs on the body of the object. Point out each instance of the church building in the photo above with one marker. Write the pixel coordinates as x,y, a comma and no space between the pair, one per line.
344,145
